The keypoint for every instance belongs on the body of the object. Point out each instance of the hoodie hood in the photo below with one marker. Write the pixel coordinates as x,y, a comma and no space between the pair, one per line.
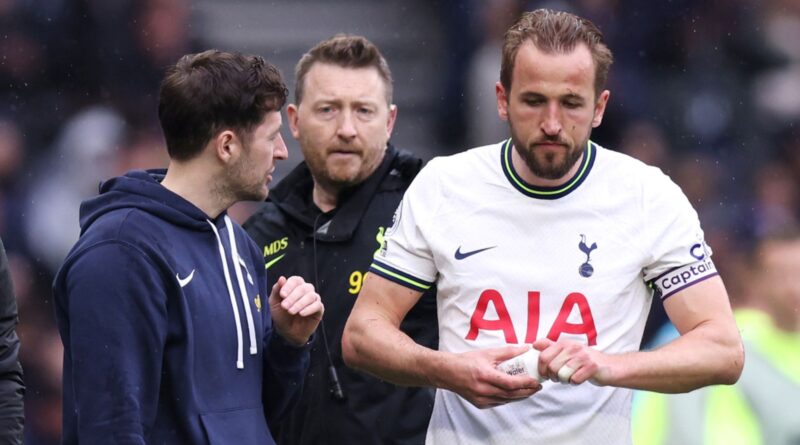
142,190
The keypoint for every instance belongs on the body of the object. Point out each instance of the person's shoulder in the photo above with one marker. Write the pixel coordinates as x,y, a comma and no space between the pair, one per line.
124,224
406,163
467,161
644,186
267,210
444,177
626,169
616,159
127,226
402,170
266,223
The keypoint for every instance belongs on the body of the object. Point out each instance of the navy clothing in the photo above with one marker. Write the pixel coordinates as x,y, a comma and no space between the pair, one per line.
11,386
166,325
334,251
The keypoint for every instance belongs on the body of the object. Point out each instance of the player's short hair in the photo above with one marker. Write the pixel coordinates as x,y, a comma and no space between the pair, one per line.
555,32
346,51
214,90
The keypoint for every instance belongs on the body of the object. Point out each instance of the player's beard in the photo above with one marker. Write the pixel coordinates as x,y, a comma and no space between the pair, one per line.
546,165
243,182
340,176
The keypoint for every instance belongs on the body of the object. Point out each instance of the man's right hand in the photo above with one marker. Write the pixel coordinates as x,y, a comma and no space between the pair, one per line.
473,375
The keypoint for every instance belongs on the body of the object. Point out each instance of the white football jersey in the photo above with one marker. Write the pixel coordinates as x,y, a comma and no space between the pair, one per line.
514,262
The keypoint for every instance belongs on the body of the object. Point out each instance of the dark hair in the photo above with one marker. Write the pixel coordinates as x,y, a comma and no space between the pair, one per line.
207,92
346,51
555,32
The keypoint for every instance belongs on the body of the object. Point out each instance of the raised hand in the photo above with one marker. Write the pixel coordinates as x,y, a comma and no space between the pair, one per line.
296,309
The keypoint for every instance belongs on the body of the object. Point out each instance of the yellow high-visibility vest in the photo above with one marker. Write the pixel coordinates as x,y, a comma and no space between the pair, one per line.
723,415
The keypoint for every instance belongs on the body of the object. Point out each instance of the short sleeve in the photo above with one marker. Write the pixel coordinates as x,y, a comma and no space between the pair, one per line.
679,255
406,256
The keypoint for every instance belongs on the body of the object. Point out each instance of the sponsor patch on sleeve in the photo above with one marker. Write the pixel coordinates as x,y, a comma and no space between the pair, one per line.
669,283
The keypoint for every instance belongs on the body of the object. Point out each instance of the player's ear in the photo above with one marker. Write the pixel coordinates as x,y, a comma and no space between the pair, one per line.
600,108
292,117
226,145
391,120
502,101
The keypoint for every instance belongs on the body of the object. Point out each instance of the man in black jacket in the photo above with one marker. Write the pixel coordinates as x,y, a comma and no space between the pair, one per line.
11,386
325,221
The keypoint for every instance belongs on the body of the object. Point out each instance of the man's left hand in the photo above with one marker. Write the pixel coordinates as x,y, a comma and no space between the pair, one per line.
570,362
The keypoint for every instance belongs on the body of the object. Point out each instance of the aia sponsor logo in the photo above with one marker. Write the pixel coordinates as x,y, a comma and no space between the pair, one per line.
574,301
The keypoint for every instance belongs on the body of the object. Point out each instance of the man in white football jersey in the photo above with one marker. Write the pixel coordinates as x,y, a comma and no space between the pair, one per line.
551,240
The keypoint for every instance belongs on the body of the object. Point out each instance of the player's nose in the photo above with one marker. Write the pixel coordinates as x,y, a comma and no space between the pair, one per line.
347,128
551,124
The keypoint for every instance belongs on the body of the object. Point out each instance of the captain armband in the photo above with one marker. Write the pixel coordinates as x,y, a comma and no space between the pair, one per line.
672,282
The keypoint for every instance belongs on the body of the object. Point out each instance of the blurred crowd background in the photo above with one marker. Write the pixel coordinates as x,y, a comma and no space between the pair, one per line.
708,90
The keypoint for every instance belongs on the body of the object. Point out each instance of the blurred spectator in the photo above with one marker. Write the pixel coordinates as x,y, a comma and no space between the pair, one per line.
130,64
457,19
11,202
10,153
778,90
483,124
646,142
777,198
142,148
84,155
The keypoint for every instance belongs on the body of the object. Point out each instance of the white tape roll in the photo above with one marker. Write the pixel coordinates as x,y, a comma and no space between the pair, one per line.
526,363
565,373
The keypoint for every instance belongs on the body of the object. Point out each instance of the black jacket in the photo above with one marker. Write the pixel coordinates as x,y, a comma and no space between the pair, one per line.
11,387
373,412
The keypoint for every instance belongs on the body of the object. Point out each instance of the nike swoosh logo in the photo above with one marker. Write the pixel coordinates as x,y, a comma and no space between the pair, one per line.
273,261
461,255
184,281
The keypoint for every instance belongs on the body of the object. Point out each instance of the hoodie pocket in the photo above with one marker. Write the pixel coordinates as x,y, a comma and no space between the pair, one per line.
243,426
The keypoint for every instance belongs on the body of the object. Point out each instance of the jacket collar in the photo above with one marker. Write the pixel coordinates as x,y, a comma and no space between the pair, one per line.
293,196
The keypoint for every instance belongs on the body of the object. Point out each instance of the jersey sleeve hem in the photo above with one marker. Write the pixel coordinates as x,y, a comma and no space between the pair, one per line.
398,276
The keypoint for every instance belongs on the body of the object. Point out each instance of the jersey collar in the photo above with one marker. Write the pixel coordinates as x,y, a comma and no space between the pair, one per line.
533,191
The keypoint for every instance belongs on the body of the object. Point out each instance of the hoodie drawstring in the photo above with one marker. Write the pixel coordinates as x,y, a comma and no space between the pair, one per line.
239,348
242,288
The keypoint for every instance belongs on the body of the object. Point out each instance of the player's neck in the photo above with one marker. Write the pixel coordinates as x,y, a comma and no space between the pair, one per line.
528,176
191,184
